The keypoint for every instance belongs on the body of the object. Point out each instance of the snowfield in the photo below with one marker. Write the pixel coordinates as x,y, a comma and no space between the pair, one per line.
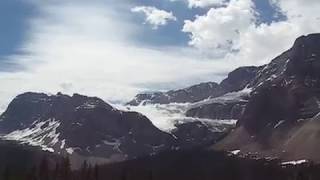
42,134
165,116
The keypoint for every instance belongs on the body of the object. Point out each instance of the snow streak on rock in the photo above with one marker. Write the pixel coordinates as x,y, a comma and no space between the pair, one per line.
43,134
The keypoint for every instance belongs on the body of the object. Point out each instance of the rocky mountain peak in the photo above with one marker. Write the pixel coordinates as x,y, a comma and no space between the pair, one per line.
281,118
239,78
305,57
79,124
291,92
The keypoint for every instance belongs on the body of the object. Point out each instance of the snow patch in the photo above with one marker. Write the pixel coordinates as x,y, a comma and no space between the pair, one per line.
229,97
87,105
115,143
63,143
294,162
235,152
42,134
279,123
70,150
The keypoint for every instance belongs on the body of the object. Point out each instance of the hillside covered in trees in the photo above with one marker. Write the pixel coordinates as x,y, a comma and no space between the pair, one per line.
174,165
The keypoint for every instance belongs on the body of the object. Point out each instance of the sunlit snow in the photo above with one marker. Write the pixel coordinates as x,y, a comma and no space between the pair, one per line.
42,134
294,162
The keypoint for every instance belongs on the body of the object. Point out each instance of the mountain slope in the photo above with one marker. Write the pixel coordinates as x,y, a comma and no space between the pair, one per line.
83,125
89,128
280,118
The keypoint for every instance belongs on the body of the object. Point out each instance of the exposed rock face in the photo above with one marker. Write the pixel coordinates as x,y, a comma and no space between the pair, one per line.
228,106
191,94
232,110
276,120
290,95
199,134
287,141
239,78
85,125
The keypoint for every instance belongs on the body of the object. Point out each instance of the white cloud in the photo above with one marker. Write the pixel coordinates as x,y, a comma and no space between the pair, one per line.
154,16
87,49
205,3
220,29
234,27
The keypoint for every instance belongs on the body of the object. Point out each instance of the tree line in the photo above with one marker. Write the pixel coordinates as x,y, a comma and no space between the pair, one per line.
192,165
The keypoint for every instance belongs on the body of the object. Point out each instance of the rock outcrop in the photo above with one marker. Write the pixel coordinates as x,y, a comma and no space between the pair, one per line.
281,118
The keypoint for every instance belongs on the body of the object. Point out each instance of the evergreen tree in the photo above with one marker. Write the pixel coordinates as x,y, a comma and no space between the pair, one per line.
32,175
124,175
57,172
66,169
83,171
6,173
89,173
150,175
44,169
96,172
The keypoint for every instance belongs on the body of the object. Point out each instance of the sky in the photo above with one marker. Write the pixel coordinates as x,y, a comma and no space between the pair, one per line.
115,49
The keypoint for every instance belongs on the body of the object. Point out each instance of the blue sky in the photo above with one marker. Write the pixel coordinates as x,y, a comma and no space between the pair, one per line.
14,16
13,22
115,49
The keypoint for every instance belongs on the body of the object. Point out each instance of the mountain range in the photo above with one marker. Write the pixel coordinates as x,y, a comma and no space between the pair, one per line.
276,107
89,128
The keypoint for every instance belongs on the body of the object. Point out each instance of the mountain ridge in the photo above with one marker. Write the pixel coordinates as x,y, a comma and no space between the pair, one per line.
281,118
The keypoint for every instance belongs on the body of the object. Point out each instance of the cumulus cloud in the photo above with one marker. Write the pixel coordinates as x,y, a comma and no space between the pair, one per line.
154,16
234,32
220,29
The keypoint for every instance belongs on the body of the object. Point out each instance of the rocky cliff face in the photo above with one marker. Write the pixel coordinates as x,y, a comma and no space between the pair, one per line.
291,94
240,78
281,113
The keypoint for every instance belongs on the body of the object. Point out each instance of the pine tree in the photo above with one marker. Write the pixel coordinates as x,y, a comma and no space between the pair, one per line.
124,174
96,172
32,175
89,173
83,171
57,172
66,169
6,173
150,175
44,169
